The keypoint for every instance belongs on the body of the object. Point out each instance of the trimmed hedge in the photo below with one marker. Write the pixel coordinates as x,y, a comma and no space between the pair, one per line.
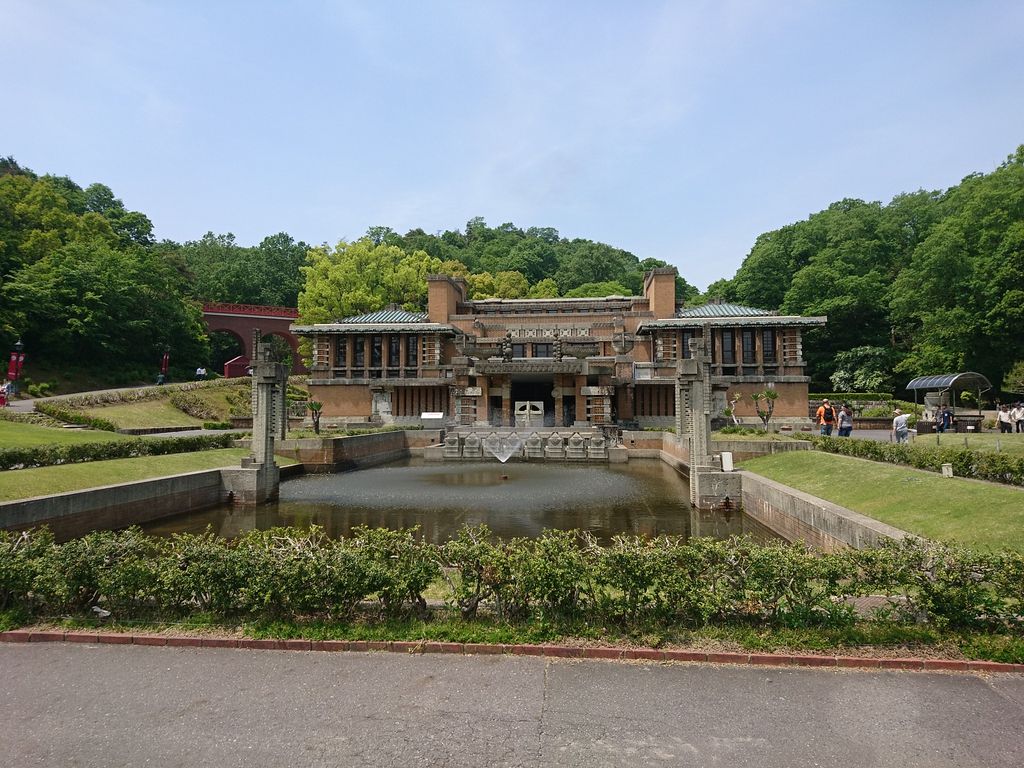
980,465
851,397
50,455
56,409
286,573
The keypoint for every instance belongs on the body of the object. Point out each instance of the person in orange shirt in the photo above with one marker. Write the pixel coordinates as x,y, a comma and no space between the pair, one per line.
826,416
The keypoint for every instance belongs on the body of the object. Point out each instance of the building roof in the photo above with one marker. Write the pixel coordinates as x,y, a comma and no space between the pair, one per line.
767,320
386,316
722,310
963,380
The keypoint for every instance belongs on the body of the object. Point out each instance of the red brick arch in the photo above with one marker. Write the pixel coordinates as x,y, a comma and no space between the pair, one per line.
241,319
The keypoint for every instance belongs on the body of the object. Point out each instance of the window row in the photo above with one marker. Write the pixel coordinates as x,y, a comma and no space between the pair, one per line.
356,350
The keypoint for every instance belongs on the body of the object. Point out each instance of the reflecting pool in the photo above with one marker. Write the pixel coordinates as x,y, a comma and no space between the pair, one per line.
516,499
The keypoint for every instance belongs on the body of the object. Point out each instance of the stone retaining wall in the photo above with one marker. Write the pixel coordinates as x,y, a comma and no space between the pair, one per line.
798,516
333,454
116,506
748,449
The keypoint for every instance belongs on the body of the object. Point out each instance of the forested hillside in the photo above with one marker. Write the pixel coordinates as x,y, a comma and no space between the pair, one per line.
931,282
82,282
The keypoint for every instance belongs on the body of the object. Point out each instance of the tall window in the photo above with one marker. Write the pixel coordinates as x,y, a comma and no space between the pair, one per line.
394,350
769,355
375,351
359,350
688,334
749,346
412,352
728,347
341,351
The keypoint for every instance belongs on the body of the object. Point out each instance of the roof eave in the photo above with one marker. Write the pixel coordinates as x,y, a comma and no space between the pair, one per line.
700,322
310,330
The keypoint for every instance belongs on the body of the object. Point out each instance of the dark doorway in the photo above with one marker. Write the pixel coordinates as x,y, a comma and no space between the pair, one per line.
568,410
537,388
494,410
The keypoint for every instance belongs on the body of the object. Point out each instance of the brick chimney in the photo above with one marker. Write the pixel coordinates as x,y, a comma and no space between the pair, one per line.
443,296
660,291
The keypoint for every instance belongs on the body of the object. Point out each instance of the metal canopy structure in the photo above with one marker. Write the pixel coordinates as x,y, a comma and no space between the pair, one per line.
959,381
955,382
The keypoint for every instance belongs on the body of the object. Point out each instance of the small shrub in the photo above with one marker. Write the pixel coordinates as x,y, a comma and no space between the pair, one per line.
51,455
193,405
401,567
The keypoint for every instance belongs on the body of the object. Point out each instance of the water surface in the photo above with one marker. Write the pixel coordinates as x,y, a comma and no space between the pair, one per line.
516,499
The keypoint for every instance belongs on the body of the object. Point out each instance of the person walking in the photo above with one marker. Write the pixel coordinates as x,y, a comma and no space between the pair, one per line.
845,420
944,420
826,417
900,426
1003,420
1017,415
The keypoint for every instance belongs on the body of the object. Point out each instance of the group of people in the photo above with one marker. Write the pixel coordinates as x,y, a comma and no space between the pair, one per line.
830,418
6,392
1010,417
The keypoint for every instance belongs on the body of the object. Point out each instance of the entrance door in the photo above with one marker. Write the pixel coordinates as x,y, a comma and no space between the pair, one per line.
568,410
537,388
494,410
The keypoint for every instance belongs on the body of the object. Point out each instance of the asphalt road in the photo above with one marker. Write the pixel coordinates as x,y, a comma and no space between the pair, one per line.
93,705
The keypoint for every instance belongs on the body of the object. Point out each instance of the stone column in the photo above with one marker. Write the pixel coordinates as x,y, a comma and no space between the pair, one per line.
709,486
258,477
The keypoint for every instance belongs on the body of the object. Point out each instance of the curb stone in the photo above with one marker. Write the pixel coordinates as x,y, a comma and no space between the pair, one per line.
547,651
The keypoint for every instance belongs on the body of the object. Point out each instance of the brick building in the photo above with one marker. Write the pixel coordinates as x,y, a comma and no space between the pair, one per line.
556,362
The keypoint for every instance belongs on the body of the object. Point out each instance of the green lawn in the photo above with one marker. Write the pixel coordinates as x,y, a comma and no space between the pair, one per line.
26,483
983,515
144,414
15,434
758,434
985,441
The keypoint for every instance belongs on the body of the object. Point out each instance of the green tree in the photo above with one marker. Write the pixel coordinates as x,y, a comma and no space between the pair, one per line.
864,369
545,289
584,261
89,303
1014,379
510,285
598,290
358,277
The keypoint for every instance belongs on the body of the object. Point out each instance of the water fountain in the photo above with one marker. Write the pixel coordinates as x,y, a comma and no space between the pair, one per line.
503,447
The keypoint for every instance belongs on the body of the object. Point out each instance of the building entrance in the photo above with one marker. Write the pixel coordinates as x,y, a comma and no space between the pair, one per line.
537,388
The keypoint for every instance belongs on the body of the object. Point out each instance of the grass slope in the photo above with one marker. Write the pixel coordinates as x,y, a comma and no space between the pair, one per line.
15,434
985,441
982,515
145,414
26,483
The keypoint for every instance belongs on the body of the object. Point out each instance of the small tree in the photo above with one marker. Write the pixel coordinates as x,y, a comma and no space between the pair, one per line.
1014,380
764,404
314,409
730,411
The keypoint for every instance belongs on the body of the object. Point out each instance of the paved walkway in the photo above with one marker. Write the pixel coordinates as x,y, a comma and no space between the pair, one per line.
97,705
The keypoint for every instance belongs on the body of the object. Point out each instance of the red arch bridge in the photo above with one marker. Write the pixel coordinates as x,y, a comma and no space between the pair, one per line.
240,320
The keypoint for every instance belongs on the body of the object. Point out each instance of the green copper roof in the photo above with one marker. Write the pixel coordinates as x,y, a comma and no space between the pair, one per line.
387,316
722,310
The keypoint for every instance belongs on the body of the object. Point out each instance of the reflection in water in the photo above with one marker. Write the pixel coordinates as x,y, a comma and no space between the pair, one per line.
517,499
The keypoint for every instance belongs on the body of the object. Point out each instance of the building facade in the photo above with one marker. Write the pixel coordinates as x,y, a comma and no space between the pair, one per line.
551,362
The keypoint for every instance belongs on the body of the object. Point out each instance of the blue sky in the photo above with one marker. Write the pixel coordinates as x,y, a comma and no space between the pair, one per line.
675,130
